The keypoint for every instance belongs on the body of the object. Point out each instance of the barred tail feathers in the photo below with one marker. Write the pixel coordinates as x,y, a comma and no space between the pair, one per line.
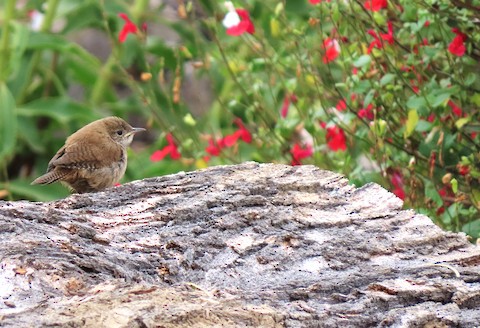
49,177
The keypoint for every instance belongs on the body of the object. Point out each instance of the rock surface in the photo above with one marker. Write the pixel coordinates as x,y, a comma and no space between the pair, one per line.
234,246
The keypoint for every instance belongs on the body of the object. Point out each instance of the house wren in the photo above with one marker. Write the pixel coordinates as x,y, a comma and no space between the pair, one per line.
93,158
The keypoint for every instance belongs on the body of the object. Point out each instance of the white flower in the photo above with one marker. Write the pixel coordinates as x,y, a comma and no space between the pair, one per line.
231,18
36,20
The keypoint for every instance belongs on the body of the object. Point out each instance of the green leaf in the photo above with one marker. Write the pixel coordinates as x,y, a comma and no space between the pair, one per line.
362,61
87,14
431,192
361,87
39,40
368,98
412,121
8,123
60,109
470,79
461,122
28,132
423,126
441,99
472,228
454,184
81,72
158,47
18,45
53,42
416,102
476,99
386,79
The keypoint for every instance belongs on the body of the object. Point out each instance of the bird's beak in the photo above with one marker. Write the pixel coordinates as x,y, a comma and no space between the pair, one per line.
136,130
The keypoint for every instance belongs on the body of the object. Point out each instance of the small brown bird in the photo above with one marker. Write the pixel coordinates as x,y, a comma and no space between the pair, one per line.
93,158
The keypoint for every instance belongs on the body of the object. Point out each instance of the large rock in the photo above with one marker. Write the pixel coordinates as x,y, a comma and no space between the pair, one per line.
244,245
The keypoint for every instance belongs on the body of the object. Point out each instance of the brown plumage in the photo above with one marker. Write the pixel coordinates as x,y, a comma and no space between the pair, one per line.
93,158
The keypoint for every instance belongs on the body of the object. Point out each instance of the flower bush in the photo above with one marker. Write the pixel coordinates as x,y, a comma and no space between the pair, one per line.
381,91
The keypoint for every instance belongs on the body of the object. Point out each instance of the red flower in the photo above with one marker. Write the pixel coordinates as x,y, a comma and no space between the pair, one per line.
414,87
397,182
457,46
228,141
416,47
242,132
341,105
238,22
388,36
286,104
378,43
336,138
457,111
375,5
367,112
463,169
314,2
128,28
299,153
399,192
170,149
447,195
332,50
214,148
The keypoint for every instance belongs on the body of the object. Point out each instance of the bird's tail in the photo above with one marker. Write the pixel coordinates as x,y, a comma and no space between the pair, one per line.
49,177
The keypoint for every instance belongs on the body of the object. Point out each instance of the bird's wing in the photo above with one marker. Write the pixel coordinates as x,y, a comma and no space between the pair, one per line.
82,155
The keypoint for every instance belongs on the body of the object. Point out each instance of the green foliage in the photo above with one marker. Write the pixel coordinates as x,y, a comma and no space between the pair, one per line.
386,95
8,123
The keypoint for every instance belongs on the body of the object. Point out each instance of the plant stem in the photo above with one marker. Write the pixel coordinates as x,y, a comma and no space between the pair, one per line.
139,8
103,81
4,43
47,23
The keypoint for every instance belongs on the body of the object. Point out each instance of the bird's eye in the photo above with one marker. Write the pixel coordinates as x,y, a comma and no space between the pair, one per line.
120,132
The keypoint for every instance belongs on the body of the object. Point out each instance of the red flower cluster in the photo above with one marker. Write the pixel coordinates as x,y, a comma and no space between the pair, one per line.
128,28
375,5
332,50
457,111
341,105
170,149
367,113
286,104
378,42
457,46
298,153
463,169
335,136
214,148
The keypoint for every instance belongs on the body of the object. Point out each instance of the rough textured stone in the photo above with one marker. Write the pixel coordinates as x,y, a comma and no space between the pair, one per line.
245,245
